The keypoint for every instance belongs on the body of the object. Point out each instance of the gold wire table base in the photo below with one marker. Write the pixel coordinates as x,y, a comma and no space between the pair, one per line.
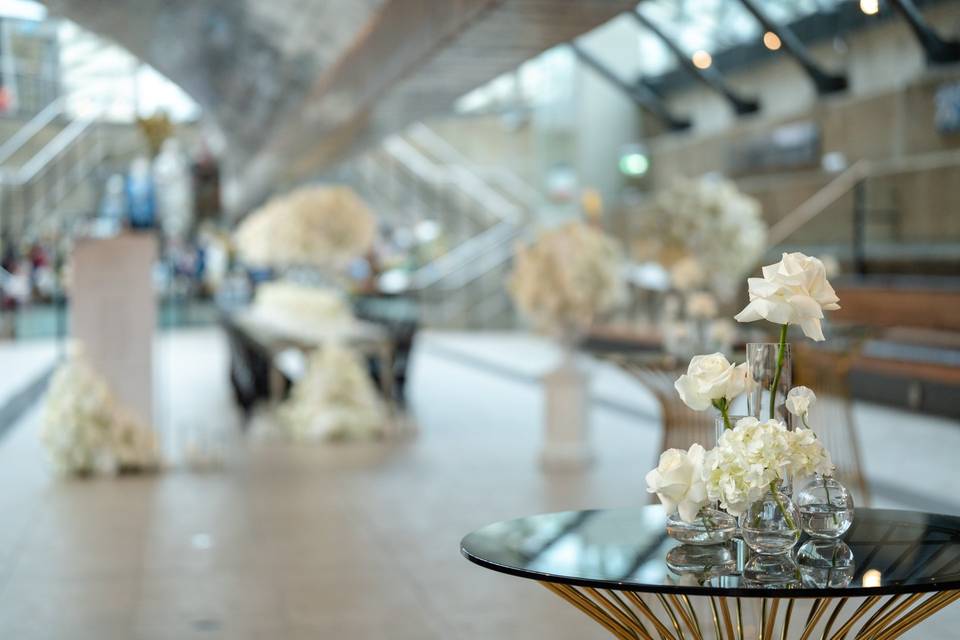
633,616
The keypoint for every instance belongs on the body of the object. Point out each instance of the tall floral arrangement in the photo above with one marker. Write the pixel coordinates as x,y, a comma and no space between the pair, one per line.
705,232
753,456
85,430
567,278
321,226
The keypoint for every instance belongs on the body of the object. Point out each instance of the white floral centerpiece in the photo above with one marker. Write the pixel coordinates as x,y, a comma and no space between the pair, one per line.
318,226
85,430
567,278
335,399
705,232
753,457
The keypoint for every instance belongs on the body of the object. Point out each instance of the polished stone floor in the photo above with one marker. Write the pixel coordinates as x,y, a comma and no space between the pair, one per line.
356,540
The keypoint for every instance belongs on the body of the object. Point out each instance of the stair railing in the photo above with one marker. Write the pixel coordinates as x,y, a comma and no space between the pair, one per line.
853,181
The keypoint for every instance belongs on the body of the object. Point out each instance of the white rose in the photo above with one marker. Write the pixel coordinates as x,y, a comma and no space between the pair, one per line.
678,481
799,400
792,291
709,378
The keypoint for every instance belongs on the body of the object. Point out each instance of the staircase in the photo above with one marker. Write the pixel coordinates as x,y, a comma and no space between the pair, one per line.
52,168
417,176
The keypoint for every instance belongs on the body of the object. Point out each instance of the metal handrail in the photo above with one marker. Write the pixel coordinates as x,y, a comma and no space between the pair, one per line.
419,165
441,148
845,182
26,133
53,149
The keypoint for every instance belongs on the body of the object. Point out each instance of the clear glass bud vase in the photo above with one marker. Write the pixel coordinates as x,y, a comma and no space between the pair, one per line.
762,359
771,525
711,526
826,508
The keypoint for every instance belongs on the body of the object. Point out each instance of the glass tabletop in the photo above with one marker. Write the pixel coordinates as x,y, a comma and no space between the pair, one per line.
884,552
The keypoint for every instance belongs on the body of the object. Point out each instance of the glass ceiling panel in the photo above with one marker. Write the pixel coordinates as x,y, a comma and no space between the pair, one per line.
708,25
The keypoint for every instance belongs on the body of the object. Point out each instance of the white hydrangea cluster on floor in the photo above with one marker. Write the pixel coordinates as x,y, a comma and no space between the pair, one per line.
335,400
85,430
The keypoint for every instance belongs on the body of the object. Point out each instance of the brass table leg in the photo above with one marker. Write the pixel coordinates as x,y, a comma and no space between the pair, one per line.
629,616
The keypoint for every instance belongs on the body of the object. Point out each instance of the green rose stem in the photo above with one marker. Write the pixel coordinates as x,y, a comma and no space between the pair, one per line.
781,348
774,489
723,406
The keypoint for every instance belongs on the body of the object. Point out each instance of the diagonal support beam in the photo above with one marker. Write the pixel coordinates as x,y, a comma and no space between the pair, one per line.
938,50
825,81
710,76
640,93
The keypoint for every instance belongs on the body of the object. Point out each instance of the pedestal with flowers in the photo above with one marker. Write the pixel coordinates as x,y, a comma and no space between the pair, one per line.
749,472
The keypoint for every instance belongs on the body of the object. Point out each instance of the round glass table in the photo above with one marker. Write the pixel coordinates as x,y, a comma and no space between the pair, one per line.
891,571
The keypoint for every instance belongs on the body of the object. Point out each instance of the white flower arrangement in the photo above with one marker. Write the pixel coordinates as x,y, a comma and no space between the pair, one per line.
567,278
85,430
283,302
323,226
335,400
704,231
752,457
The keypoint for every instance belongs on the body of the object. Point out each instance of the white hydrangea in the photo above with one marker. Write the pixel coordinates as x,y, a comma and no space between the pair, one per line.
323,226
567,278
708,219
808,455
746,460
85,430
335,399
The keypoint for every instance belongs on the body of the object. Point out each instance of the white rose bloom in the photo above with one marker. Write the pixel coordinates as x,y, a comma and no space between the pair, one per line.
678,481
792,291
799,400
709,378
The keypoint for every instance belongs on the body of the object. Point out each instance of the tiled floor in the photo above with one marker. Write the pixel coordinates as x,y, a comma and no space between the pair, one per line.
348,541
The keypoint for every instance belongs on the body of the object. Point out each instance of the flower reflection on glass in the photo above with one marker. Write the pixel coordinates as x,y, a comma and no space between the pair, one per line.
695,564
825,563
771,572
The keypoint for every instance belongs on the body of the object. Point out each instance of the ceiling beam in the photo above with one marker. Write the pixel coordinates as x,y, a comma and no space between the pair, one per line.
639,93
709,76
824,81
938,50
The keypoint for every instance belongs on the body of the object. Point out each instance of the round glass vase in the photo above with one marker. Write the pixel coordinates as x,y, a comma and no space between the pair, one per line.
711,526
826,508
771,525
762,358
